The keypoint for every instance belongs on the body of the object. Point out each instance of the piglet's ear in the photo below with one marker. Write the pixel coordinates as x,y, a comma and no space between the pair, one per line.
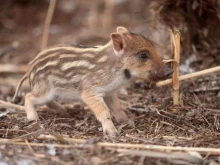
122,30
118,43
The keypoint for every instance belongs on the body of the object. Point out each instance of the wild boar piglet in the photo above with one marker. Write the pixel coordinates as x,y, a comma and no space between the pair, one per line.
93,75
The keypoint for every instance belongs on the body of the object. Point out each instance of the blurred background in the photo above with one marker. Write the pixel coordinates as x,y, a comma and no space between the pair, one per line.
91,22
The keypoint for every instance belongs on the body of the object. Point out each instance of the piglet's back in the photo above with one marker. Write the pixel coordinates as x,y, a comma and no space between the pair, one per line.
64,66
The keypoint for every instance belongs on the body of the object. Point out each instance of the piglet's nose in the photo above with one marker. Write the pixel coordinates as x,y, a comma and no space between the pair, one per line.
168,72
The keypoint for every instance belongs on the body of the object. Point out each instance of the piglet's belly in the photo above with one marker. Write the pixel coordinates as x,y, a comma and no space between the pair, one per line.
67,95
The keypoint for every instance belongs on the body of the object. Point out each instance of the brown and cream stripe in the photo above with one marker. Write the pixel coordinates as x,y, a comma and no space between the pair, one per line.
65,62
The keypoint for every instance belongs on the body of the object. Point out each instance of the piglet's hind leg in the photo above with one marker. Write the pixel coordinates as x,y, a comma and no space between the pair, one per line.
30,107
31,102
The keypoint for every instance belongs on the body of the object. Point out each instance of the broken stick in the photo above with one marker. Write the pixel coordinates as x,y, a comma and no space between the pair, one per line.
4,104
9,68
189,76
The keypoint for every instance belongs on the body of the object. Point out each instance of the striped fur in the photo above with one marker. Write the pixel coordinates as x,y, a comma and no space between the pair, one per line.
65,62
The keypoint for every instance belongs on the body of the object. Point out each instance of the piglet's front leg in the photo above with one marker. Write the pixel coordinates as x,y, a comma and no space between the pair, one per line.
101,111
114,104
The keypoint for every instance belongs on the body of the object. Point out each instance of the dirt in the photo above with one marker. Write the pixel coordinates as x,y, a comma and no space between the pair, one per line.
193,123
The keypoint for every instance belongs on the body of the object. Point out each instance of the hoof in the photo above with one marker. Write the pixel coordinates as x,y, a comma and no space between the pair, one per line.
32,117
110,130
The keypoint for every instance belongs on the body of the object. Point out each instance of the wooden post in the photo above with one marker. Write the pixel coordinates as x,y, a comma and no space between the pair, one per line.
175,37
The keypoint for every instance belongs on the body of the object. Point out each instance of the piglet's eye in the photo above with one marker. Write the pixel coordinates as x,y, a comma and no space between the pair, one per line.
143,56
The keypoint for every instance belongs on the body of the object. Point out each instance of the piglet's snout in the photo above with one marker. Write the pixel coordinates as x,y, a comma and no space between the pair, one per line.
162,73
167,72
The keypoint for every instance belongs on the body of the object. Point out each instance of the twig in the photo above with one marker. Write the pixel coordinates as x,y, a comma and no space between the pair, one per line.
138,138
4,104
57,159
169,61
214,89
8,141
211,151
177,137
51,137
8,68
47,24
191,75
108,13
175,35
13,82
35,134
34,156
30,148
177,158
140,146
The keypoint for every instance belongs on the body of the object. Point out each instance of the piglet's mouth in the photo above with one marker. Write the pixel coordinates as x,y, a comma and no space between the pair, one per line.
156,78
161,74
